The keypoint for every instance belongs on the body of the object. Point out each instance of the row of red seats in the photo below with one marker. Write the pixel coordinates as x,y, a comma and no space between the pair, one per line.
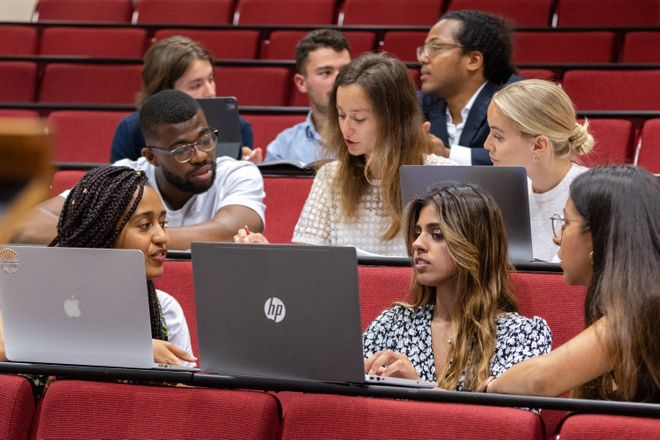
86,136
530,47
77,409
350,12
254,85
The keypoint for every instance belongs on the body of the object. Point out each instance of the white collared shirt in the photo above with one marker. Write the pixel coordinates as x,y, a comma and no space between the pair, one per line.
459,153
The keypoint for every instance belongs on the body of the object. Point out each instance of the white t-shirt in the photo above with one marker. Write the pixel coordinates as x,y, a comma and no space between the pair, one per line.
321,221
177,326
545,205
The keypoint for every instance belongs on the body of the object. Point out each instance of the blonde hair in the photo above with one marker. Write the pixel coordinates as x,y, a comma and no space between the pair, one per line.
539,107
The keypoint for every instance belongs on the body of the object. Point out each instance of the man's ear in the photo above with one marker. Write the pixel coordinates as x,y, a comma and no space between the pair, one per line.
148,154
475,60
300,82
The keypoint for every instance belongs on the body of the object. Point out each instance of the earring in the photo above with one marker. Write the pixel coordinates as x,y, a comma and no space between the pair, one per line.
535,157
591,256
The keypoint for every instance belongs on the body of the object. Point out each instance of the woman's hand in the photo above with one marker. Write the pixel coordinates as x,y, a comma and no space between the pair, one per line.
244,235
255,155
390,364
483,386
169,354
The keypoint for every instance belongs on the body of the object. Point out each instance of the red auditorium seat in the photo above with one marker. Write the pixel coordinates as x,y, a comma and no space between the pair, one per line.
520,12
285,198
314,416
641,47
403,44
545,74
613,89
177,280
65,179
380,286
608,13
281,45
77,409
599,426
614,142
83,136
188,12
18,81
267,127
564,47
17,407
110,11
225,44
90,84
649,152
18,40
285,12
254,85
390,12
95,42
18,113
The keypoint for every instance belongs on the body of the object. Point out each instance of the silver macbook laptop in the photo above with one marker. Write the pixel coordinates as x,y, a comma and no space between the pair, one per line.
280,311
222,114
507,185
75,306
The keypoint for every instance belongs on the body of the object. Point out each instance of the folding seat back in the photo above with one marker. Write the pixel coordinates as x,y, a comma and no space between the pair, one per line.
564,47
18,40
641,47
18,80
76,409
649,151
65,179
188,12
83,136
380,287
17,407
285,198
285,12
596,426
177,280
614,142
90,84
18,113
314,416
93,42
544,74
608,13
224,44
254,85
267,127
403,44
612,89
390,12
109,11
521,12
281,45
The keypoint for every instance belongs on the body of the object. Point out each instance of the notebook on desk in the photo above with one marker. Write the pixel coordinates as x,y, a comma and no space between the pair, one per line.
507,185
75,306
280,311
222,114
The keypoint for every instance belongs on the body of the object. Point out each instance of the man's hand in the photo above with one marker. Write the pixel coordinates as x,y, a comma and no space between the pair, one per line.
169,354
253,155
436,146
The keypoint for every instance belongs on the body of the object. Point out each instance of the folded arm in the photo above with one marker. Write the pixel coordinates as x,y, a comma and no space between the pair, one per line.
40,224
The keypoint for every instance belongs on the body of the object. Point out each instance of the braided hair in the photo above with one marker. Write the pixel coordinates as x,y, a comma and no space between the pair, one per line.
94,214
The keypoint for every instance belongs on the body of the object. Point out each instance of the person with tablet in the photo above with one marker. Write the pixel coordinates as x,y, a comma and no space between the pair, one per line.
609,238
115,207
461,325
176,63
532,125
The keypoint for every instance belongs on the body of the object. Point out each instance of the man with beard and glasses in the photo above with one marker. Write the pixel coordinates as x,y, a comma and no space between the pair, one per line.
206,198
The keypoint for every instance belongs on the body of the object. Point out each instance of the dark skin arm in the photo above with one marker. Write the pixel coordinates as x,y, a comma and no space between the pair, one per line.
40,224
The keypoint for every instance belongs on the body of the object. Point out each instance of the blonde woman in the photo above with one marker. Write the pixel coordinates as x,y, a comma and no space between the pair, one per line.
533,125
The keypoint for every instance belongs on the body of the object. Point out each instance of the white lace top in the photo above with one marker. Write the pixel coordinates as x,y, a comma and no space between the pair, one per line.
321,221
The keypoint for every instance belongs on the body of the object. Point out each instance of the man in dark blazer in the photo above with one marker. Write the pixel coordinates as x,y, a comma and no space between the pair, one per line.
465,59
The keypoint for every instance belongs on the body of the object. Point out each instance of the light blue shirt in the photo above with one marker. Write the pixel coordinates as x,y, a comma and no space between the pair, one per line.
300,142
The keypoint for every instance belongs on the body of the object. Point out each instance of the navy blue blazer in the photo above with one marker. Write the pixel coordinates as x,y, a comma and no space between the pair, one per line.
476,128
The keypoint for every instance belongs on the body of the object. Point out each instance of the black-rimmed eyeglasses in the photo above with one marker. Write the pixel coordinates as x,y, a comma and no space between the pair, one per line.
558,225
183,153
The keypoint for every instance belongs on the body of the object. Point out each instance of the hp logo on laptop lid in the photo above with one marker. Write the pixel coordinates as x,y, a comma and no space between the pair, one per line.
274,309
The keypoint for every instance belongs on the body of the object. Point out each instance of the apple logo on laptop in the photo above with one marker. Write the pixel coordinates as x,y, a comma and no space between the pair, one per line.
274,309
72,307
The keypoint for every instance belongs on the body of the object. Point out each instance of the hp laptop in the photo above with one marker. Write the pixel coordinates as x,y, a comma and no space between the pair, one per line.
222,114
75,306
280,311
507,185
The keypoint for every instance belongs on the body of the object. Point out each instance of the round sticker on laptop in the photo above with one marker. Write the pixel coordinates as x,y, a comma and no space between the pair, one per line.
9,261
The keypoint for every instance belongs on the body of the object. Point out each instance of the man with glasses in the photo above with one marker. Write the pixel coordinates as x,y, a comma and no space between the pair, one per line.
206,198
465,59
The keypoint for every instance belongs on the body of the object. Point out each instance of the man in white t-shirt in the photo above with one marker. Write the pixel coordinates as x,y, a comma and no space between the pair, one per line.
206,198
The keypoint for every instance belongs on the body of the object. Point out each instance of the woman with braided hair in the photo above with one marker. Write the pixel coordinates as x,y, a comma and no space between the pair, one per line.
114,207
